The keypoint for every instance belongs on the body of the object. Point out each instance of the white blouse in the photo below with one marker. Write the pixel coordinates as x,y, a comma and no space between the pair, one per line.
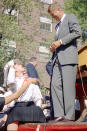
32,93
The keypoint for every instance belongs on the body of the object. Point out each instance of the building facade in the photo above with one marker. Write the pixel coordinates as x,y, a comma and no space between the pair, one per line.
41,30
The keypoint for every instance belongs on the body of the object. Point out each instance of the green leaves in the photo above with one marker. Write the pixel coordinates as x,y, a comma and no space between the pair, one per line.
6,53
79,8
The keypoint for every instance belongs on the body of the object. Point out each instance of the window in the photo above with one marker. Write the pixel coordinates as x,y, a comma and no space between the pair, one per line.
43,49
43,52
45,24
47,1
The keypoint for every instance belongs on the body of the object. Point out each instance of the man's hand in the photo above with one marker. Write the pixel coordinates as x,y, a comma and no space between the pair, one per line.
26,83
55,45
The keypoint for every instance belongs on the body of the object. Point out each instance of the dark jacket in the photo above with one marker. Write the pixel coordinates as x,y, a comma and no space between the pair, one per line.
31,71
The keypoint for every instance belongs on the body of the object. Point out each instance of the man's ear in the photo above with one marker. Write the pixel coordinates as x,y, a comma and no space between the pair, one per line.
58,9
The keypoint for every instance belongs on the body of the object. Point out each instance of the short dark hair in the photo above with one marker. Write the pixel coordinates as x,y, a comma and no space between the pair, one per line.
32,59
54,7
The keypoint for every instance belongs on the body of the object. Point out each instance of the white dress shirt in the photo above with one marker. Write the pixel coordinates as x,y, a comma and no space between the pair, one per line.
60,22
57,29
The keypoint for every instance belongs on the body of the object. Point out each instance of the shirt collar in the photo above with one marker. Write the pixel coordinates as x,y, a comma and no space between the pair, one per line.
63,17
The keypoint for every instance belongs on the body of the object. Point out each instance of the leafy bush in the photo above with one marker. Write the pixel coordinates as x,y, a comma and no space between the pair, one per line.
6,54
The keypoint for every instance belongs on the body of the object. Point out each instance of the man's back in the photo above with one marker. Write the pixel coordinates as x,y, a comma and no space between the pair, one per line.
31,71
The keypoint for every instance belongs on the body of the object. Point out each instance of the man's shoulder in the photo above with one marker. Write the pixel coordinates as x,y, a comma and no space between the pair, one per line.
70,15
71,18
29,65
9,63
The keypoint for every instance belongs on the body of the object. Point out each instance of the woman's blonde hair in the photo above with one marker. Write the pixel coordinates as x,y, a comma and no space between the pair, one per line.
17,61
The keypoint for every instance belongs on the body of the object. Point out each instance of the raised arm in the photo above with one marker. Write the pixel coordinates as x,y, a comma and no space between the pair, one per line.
17,94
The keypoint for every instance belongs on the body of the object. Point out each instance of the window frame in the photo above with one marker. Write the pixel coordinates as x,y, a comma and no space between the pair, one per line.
45,21
46,1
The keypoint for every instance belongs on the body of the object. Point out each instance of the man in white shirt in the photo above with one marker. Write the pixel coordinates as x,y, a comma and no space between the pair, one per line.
6,69
10,63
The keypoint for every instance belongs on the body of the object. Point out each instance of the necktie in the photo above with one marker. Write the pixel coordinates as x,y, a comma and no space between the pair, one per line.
57,30
57,26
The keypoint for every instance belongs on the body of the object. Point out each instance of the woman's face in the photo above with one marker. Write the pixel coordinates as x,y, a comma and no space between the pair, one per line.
25,74
19,69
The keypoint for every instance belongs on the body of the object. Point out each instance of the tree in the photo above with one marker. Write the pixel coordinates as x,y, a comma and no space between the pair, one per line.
79,8
9,26
6,53
11,30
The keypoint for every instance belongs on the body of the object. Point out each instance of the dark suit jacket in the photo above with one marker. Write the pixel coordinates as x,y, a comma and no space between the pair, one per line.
31,71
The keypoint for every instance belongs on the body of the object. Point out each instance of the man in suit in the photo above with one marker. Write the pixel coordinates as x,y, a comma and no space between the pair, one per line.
31,68
65,62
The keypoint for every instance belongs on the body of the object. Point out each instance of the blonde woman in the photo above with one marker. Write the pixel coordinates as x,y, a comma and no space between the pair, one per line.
6,100
28,106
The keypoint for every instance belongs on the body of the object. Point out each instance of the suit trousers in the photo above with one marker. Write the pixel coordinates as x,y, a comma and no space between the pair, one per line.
63,90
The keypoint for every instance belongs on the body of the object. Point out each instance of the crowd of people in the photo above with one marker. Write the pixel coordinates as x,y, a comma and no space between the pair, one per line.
27,107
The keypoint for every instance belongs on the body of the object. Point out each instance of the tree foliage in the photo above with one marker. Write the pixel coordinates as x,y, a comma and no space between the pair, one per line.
10,28
6,53
79,8
9,24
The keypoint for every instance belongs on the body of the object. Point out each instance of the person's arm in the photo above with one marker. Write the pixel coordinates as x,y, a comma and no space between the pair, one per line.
75,30
74,33
11,76
6,70
15,95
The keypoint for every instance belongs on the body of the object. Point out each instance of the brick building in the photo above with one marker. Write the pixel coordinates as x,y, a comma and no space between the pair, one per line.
41,30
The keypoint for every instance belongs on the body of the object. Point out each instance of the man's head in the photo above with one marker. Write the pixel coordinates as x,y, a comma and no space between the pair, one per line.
56,11
33,60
